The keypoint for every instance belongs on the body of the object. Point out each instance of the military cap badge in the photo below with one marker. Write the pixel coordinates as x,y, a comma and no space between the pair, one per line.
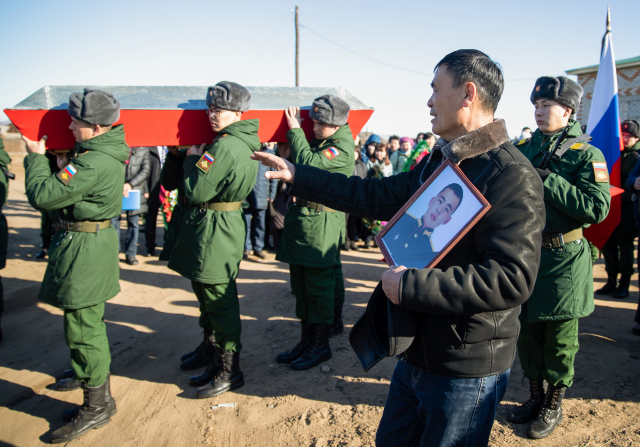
600,171
67,173
331,153
205,162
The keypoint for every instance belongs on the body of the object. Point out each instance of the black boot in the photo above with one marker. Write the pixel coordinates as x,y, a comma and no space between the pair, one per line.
609,287
92,414
67,381
298,350
318,352
550,414
71,413
208,374
207,336
623,287
203,355
337,327
228,377
529,410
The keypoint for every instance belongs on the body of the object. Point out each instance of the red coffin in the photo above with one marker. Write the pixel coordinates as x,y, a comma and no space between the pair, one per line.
170,116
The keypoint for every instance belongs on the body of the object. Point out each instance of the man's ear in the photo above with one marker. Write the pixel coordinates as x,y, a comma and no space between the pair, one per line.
567,112
470,94
96,129
446,221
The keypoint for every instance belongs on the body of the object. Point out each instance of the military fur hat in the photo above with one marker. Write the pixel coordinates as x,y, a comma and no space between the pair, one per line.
631,127
330,110
94,107
229,96
560,89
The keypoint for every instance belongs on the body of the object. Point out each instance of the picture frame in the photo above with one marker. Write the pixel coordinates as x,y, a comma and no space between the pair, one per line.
433,220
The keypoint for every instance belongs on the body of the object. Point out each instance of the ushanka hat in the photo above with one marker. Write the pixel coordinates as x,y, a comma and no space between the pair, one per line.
384,330
329,109
631,127
229,96
560,89
94,107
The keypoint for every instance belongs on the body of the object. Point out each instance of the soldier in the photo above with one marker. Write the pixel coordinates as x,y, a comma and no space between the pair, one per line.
83,269
5,160
211,239
576,194
313,234
409,241
618,251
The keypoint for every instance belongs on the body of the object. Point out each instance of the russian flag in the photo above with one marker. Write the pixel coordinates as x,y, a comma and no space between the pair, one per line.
70,169
604,127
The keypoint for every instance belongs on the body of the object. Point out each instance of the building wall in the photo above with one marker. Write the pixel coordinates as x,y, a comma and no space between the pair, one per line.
628,93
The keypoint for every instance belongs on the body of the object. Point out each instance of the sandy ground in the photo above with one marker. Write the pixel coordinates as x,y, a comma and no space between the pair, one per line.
154,320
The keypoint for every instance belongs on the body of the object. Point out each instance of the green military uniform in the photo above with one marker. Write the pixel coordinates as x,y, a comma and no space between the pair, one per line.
210,242
312,236
5,160
171,178
618,251
576,194
83,270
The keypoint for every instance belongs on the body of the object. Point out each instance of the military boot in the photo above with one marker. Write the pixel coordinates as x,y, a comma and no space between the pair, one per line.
67,381
529,410
550,414
207,335
609,287
210,371
203,355
92,414
298,350
109,401
319,350
337,327
622,291
226,378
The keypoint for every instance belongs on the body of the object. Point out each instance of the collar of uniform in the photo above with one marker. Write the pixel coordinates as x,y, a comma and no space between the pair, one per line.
428,232
474,143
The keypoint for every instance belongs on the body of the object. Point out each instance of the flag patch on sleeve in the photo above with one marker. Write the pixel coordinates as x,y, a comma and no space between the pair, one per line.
67,173
331,153
205,162
600,171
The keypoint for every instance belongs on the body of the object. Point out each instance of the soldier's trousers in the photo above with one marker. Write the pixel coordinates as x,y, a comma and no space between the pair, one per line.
86,336
220,313
618,256
547,350
317,291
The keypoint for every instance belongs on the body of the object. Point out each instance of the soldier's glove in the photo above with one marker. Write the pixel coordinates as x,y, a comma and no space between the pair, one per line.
544,173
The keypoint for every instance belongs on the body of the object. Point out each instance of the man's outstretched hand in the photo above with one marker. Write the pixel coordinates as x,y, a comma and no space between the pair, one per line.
283,169
35,147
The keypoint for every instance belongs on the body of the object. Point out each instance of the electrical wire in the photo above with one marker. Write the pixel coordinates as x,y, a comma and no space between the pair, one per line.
267,42
283,48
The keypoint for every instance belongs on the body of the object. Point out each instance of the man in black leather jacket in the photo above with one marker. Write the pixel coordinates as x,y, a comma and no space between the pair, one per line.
446,388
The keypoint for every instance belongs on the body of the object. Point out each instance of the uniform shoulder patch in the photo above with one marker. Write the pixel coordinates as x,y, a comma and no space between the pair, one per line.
205,162
579,146
331,153
600,171
67,173
521,142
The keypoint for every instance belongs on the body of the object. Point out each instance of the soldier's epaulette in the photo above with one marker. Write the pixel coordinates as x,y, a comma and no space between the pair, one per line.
579,146
521,142
220,137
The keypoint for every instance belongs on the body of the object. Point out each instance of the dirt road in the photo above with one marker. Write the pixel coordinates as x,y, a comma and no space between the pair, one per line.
154,320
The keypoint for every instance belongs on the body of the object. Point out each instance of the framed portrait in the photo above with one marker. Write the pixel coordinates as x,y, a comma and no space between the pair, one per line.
434,219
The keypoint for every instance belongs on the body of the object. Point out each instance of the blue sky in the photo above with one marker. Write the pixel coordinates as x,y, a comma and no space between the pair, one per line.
193,42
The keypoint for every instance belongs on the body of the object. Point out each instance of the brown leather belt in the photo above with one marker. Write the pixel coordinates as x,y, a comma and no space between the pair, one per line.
216,206
557,240
314,206
84,227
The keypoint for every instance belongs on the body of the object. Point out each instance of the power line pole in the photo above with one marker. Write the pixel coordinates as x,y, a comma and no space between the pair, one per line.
297,48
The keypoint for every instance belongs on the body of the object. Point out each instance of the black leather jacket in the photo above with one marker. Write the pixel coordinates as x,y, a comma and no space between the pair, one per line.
468,306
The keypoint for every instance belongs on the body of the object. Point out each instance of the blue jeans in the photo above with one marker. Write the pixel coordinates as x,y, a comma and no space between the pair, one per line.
430,410
256,220
131,238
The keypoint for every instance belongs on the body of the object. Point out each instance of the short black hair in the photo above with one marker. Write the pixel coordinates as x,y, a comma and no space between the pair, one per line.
475,66
394,137
428,135
457,191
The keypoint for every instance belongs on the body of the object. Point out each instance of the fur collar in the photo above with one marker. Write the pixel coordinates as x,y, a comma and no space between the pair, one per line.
474,143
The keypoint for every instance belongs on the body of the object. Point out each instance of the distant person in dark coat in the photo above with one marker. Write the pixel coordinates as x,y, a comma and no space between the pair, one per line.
354,224
263,192
156,158
282,201
136,172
